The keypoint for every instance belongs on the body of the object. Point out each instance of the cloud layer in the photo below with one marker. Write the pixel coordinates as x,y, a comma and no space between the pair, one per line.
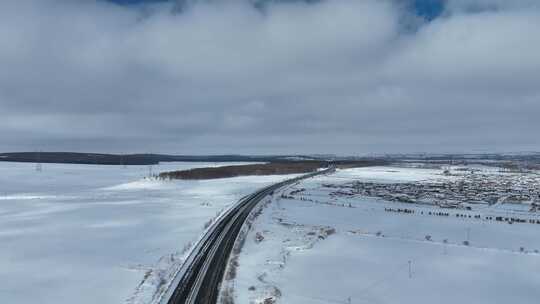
342,76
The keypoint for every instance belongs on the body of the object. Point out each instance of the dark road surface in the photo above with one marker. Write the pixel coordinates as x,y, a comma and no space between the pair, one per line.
199,279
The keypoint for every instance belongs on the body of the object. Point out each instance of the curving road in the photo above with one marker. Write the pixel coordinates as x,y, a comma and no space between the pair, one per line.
199,279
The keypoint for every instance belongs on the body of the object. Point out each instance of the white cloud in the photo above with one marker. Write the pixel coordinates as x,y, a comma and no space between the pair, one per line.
337,76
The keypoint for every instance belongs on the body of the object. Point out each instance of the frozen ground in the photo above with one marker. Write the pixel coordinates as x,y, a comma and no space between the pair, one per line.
91,234
308,246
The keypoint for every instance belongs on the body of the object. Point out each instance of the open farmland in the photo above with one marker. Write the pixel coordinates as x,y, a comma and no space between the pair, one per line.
76,233
389,235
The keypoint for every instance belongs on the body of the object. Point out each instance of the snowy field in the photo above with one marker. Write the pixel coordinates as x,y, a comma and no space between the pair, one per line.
309,246
91,233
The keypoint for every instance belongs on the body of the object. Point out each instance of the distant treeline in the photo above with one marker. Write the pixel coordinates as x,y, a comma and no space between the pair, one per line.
153,159
273,168
124,159
530,161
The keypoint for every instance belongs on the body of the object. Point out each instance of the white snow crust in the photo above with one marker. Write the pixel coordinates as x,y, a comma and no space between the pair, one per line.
320,248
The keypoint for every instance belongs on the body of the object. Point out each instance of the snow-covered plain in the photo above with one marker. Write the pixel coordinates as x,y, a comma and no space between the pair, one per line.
91,234
313,247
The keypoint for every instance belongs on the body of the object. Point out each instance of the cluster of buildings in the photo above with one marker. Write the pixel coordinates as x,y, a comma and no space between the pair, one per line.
462,192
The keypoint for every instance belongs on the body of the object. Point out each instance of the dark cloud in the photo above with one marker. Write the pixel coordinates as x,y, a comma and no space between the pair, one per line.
338,76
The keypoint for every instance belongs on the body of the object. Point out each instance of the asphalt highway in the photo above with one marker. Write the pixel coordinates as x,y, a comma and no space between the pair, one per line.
199,279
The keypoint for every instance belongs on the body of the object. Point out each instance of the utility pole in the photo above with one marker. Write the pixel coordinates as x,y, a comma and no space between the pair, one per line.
445,250
410,269
39,166
468,234
123,161
150,167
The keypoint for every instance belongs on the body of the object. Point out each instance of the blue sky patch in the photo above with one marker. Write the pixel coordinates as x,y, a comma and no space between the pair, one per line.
428,9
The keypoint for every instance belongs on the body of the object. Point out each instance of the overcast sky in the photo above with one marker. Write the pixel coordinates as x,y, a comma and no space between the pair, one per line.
340,76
